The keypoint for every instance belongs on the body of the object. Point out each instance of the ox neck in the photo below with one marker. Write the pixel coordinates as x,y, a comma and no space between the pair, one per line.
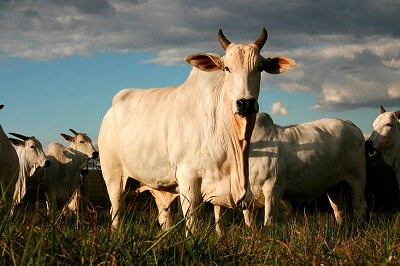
78,158
25,168
391,156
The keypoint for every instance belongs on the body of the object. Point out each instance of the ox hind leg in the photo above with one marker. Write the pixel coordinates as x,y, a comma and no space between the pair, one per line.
336,201
285,207
220,219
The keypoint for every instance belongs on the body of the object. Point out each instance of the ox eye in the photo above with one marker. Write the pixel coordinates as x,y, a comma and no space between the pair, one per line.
389,124
227,69
32,147
81,142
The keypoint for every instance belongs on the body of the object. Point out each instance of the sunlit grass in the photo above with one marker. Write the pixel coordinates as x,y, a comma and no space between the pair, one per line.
32,237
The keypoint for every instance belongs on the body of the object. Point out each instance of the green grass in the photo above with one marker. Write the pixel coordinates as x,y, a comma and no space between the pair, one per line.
33,238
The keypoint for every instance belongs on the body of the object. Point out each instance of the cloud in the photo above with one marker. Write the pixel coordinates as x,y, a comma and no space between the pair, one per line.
394,92
291,87
278,108
347,58
344,76
395,63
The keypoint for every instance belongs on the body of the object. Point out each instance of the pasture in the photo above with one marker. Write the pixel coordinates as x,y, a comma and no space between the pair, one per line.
310,236
305,238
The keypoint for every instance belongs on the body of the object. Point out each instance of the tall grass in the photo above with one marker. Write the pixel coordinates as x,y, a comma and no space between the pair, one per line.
34,238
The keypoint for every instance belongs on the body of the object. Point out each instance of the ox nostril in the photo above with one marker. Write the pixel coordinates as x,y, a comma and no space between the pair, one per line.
47,164
240,104
95,155
84,171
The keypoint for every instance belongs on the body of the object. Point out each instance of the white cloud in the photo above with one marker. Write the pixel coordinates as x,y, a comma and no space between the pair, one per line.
278,108
170,57
394,92
291,87
392,63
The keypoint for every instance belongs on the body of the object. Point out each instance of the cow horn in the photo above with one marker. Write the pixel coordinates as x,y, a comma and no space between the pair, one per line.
223,40
19,136
1,106
262,39
382,110
73,131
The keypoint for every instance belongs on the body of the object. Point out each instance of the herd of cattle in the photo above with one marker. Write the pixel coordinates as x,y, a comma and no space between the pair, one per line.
204,141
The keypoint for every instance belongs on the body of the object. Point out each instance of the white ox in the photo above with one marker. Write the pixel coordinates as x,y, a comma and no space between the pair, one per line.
9,167
31,156
62,181
385,138
194,135
301,162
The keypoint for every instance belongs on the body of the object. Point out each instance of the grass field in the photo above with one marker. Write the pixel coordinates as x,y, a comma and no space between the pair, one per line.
31,237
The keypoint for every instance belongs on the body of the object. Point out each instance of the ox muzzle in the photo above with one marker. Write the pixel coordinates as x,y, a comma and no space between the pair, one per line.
247,106
95,155
369,146
47,163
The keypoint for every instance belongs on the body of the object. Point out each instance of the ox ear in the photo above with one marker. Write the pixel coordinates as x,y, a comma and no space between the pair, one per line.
382,110
397,113
17,142
67,137
205,62
278,64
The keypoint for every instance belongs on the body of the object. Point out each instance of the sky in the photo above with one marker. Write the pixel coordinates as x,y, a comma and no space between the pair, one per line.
61,62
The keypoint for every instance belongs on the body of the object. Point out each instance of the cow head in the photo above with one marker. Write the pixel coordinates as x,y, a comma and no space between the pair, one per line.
242,65
82,143
386,130
30,151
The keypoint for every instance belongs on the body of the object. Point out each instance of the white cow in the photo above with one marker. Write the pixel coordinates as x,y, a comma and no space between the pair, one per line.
61,182
194,135
31,156
385,138
301,162
9,168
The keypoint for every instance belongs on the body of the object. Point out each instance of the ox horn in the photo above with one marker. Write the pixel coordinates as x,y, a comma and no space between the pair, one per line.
73,131
1,106
20,136
262,39
382,110
223,40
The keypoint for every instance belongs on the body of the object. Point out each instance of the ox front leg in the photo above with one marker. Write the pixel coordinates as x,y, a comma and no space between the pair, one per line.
219,219
51,202
115,189
272,198
249,217
74,202
190,201
398,183
336,201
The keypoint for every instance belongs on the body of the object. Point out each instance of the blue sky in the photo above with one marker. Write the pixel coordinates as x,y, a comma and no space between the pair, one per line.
61,62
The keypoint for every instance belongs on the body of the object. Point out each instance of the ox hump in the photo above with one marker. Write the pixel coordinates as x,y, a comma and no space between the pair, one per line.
122,95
